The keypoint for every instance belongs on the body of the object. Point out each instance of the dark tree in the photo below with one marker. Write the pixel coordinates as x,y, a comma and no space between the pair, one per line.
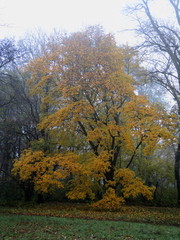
19,112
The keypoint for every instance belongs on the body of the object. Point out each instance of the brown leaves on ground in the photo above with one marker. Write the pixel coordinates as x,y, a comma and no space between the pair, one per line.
156,215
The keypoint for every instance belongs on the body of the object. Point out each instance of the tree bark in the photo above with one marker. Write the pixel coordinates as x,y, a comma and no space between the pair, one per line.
177,171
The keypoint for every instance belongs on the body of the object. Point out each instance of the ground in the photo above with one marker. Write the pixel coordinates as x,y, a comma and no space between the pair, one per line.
80,221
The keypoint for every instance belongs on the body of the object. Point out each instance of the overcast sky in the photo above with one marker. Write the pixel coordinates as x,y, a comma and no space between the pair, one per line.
23,16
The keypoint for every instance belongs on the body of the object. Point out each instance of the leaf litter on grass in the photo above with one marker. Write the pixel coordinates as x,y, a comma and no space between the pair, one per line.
155,215
44,228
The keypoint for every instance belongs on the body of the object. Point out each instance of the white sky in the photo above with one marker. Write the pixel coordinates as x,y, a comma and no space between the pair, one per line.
23,16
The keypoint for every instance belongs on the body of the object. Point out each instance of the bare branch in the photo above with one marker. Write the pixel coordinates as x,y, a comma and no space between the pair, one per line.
175,4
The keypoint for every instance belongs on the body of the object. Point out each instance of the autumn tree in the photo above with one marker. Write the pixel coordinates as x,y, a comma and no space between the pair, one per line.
92,120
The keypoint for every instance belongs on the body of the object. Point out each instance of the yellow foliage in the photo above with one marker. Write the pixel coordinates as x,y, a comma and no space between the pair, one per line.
85,182
109,201
147,124
131,185
98,165
82,187
46,172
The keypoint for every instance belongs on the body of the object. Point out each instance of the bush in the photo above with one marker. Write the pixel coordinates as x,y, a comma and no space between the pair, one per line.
10,191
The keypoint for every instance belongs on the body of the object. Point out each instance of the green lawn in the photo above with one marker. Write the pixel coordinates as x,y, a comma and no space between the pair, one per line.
23,227
80,221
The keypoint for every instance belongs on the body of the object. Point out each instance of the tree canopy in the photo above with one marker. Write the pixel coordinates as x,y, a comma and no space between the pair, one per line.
92,122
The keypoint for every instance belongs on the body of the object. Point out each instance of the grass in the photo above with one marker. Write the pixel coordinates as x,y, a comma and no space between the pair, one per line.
21,227
155,215
80,221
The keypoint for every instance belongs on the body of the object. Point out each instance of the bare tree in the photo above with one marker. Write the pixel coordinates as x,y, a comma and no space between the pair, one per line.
161,40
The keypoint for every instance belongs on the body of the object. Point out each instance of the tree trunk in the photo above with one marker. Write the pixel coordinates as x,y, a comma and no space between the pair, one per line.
27,195
28,191
110,174
40,198
177,171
